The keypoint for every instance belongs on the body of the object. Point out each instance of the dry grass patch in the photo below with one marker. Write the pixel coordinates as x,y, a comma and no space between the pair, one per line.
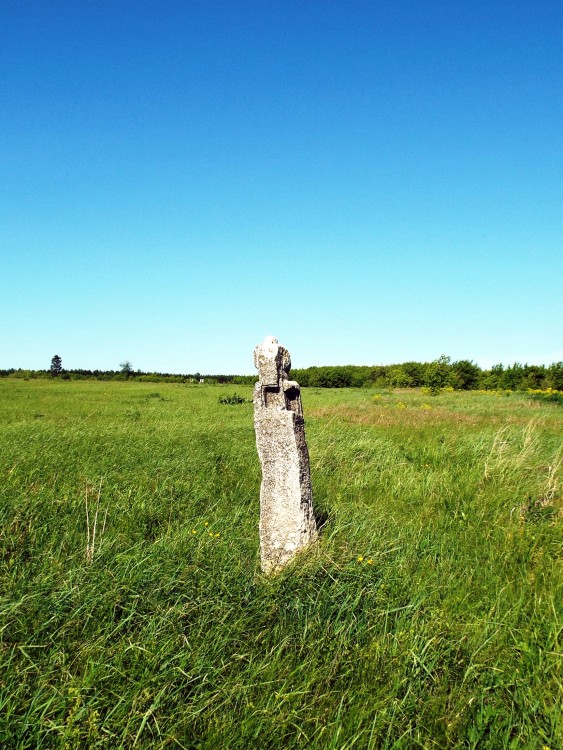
411,409
394,417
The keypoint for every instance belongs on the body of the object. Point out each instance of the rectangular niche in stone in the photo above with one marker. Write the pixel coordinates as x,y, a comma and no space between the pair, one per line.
287,524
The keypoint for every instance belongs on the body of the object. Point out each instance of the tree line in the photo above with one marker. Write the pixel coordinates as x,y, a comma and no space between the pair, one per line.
138,375
440,373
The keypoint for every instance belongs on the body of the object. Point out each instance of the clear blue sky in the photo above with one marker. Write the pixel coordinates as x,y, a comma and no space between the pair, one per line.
371,182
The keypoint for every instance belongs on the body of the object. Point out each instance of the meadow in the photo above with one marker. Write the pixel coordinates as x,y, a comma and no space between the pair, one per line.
133,613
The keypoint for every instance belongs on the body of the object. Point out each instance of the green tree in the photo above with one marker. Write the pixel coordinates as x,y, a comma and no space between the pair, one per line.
534,376
56,366
126,369
438,374
513,376
493,378
555,376
466,374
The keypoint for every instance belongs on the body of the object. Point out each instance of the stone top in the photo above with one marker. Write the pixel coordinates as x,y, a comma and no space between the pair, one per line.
272,361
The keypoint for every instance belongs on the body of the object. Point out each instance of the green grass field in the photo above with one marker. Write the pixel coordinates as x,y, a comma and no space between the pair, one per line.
426,617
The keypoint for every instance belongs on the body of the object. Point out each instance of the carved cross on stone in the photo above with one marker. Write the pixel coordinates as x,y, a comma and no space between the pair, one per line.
287,524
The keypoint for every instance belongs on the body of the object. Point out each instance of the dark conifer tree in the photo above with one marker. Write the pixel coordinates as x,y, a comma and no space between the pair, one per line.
56,366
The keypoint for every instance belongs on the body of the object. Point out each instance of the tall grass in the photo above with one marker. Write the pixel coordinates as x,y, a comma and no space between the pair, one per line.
426,617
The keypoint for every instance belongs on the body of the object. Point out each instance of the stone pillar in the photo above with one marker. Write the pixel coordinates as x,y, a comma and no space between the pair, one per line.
287,524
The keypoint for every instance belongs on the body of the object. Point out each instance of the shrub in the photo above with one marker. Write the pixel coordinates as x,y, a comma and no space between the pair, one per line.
550,395
233,399
438,375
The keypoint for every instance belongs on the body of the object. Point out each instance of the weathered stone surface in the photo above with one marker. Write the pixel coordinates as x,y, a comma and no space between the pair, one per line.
287,524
